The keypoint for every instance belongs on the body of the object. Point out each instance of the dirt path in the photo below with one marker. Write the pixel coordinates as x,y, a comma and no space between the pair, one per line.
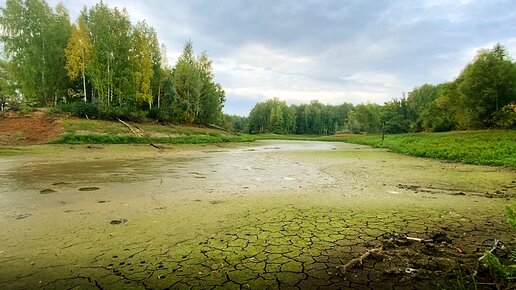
33,128
266,215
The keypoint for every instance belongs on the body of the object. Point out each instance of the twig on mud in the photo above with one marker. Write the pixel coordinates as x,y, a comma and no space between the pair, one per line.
349,265
157,146
419,240
496,245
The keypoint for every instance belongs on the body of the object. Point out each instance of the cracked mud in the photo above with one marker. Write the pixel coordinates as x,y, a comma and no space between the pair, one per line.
268,215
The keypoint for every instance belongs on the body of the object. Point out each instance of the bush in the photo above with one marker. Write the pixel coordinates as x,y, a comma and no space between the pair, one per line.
161,115
77,109
506,117
126,113
84,109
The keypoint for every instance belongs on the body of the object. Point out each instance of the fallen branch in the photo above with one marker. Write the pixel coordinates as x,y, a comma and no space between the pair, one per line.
157,146
349,265
496,245
130,128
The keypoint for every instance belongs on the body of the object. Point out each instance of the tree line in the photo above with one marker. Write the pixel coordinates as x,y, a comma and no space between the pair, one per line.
482,96
101,65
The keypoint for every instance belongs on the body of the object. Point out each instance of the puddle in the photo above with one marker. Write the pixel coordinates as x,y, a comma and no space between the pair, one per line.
89,188
47,191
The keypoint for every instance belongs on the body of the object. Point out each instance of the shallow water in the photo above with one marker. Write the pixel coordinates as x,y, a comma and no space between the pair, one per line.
269,213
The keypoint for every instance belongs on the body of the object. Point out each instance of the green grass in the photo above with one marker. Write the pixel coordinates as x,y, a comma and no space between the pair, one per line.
74,126
487,147
82,131
99,127
69,138
10,151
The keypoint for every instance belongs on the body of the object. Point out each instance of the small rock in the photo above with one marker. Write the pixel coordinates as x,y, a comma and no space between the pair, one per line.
59,183
118,222
458,193
89,188
22,216
47,191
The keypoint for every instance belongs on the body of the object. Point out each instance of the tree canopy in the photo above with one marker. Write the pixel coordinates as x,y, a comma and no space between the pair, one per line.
482,96
104,65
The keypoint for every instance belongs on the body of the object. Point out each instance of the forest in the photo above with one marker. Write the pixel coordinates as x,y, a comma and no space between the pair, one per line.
101,66
483,96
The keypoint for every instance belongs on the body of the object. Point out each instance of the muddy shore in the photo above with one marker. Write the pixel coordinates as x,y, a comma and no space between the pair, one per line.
271,214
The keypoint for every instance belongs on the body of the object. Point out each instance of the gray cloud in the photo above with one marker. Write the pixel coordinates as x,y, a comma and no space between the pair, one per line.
337,51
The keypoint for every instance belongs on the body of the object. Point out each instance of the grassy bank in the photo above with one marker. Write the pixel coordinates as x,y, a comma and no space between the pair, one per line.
82,131
69,138
488,147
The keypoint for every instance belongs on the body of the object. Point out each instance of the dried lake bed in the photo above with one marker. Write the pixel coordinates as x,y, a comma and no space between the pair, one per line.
268,214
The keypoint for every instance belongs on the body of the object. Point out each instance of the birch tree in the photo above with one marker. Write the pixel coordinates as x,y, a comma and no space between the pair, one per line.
78,52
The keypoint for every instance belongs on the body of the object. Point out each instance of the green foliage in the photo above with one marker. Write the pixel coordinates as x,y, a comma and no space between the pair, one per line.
367,116
506,117
34,37
488,84
394,117
187,85
144,44
483,96
235,123
511,215
8,97
109,69
197,98
493,147
419,101
274,116
78,52
212,96
497,268
494,264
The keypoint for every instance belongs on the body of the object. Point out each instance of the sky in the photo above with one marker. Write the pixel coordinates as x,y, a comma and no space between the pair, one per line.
335,51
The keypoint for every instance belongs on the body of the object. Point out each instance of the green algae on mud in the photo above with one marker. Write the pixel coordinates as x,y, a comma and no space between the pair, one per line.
287,215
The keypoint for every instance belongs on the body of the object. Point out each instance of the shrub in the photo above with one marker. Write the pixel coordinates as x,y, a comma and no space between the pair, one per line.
500,270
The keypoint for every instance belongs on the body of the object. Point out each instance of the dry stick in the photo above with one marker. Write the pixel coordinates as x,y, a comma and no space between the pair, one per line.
130,127
475,273
349,265
157,146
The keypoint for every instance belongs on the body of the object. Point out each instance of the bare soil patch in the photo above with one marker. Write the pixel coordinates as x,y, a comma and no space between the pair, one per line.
37,127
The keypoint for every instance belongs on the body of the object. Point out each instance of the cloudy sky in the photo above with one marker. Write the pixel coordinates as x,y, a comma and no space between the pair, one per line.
331,50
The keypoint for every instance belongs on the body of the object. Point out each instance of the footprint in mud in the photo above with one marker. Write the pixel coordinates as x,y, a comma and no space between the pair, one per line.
47,191
89,188
22,216
195,173
118,222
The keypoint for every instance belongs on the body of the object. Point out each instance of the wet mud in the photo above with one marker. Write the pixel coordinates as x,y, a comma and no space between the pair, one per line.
267,215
